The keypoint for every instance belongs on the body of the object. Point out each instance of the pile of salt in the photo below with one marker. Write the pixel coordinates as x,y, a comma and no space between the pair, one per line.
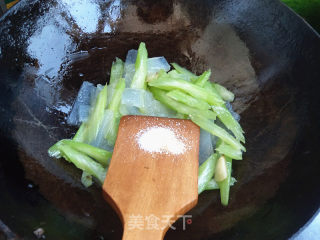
159,139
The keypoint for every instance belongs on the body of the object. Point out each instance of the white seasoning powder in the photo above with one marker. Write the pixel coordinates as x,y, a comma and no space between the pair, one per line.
160,140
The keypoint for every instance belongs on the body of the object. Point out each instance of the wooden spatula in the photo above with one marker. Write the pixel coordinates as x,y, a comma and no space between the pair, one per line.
150,186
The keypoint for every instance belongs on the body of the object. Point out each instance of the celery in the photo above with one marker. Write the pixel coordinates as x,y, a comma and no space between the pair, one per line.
188,100
80,135
229,151
183,71
167,83
114,107
54,150
203,78
215,130
116,71
223,92
227,119
140,75
111,135
100,155
176,74
161,96
206,171
97,114
225,184
116,98
83,162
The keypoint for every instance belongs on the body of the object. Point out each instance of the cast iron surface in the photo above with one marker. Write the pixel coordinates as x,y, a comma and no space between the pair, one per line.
260,50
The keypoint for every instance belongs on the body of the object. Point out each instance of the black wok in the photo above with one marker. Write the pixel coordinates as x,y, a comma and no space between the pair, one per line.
259,49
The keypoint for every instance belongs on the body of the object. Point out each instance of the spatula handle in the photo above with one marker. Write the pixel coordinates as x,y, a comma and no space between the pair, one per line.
143,234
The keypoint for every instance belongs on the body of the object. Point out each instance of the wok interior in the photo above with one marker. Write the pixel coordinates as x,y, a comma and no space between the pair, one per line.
268,96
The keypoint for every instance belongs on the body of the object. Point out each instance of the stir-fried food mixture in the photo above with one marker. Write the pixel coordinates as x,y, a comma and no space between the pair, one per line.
149,86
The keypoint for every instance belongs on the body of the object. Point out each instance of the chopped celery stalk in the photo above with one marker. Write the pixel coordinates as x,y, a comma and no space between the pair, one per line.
183,71
81,133
221,170
176,74
188,100
225,149
225,184
209,86
100,155
161,96
203,78
86,179
114,106
140,75
97,114
83,162
206,171
100,141
167,83
215,130
227,119
116,98
111,135
224,93
116,71
212,184
54,150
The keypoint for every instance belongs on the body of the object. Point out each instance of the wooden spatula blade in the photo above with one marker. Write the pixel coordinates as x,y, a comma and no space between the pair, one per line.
144,184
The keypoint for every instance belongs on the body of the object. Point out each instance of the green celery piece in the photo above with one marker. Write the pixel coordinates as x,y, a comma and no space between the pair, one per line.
86,179
139,78
215,130
116,72
225,116
161,96
96,115
225,184
223,92
176,74
54,150
83,162
227,119
209,86
167,83
111,135
212,184
188,100
116,98
184,71
203,78
100,155
80,135
206,172
227,150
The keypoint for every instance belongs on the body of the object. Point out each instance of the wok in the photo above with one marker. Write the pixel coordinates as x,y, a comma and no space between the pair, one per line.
268,56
